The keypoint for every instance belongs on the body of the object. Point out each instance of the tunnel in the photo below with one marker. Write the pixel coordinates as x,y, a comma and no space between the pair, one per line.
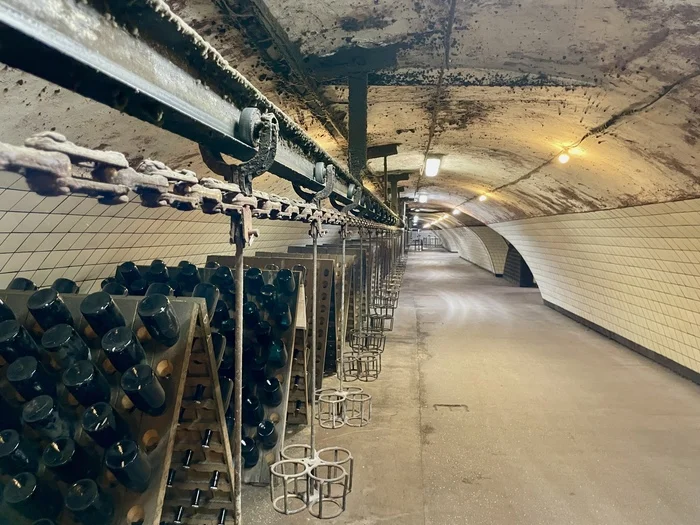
411,262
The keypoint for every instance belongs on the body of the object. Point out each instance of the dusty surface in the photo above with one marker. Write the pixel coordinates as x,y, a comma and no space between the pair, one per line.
493,409
500,87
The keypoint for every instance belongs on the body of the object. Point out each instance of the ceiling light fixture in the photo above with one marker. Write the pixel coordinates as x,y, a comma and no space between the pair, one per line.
432,165
564,157
482,198
422,198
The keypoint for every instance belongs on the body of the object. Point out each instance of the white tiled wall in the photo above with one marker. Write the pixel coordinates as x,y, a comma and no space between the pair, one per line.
479,245
634,271
44,238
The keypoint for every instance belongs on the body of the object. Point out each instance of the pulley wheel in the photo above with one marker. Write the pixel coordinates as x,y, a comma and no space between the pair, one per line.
320,172
248,124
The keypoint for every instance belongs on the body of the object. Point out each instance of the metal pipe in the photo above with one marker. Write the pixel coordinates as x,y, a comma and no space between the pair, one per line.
315,229
363,268
238,383
370,269
343,234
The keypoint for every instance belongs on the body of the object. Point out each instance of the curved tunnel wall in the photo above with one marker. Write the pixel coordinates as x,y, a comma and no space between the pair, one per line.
479,245
632,273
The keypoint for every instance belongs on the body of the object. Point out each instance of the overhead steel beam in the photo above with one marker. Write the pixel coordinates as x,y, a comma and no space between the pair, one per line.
140,58
394,180
357,122
382,150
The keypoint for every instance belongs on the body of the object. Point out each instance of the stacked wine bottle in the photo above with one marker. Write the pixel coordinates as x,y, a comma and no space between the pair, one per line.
87,394
269,312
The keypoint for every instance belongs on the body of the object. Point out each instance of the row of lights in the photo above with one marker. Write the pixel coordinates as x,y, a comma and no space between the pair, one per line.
432,168
436,221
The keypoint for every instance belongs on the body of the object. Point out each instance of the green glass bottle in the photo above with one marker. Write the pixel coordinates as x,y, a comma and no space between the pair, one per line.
251,314
277,355
284,281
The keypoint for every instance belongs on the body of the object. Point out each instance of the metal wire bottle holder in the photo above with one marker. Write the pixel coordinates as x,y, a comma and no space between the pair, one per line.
350,406
316,481
367,340
350,368
369,365
305,478
358,409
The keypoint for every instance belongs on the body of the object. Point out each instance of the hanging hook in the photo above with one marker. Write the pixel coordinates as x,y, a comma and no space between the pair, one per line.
322,174
259,131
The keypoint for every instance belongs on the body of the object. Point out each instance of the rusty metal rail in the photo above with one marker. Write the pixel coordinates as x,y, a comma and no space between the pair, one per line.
142,59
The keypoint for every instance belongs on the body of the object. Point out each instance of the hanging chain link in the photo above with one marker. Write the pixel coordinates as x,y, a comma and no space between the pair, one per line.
47,161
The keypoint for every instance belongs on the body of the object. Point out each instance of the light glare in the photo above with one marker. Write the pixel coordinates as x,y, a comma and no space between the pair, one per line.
564,158
422,198
432,166
456,212
482,198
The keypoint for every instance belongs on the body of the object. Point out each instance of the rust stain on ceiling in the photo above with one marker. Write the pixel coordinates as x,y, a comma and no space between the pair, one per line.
614,80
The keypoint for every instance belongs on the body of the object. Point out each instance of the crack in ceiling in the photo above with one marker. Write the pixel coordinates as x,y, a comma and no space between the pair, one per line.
438,101
599,130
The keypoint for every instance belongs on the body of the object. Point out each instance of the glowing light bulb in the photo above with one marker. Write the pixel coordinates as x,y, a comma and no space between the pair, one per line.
482,198
564,157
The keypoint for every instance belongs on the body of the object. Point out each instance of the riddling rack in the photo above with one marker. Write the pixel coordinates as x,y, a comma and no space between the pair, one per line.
352,287
264,423
325,284
142,440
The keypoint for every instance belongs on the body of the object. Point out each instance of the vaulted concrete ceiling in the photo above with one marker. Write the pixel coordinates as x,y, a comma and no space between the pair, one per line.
501,87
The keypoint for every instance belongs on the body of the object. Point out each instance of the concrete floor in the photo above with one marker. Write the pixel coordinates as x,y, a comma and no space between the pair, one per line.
494,409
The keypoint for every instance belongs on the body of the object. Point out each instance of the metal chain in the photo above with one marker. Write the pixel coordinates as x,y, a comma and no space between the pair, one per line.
47,159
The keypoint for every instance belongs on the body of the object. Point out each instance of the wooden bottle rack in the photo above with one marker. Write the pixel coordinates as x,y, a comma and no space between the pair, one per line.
260,473
158,436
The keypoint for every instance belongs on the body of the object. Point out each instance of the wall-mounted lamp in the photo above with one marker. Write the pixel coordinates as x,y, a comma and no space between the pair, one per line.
432,165
482,198
422,198
564,157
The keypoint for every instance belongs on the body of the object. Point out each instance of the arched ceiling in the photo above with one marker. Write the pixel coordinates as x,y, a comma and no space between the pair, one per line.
501,87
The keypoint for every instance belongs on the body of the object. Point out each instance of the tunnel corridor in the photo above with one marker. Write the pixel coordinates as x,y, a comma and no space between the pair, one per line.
526,173
497,409
528,417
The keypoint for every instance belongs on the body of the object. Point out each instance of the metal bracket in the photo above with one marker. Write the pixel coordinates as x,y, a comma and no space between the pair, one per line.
256,130
322,174
316,228
354,193
261,130
241,212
